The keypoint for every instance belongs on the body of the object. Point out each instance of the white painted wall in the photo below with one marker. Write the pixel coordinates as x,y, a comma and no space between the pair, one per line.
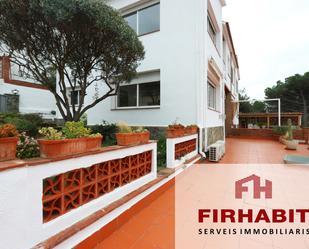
171,162
215,118
31,100
175,51
21,218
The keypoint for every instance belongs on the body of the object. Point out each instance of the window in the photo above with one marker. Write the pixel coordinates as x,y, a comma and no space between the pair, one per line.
139,95
146,20
149,94
75,97
211,30
127,96
211,96
132,21
224,50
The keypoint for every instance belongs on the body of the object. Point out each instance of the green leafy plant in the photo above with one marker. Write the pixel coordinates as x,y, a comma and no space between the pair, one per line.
192,126
280,130
161,153
51,133
27,147
8,130
107,130
123,127
290,129
70,130
29,123
75,130
176,126
139,129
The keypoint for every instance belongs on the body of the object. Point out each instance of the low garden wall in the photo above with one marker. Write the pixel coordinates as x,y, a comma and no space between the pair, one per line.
180,149
301,134
39,198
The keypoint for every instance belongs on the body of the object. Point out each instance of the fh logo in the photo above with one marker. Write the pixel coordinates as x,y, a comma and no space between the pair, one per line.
257,188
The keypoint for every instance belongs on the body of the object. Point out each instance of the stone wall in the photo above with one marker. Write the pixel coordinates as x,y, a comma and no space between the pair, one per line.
214,134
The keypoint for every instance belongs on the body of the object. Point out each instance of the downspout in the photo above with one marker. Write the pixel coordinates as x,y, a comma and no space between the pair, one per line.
201,60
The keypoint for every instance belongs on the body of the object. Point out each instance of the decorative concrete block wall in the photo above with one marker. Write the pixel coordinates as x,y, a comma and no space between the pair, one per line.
41,199
180,149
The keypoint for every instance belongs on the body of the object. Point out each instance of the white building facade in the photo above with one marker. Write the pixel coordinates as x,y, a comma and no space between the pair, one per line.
21,93
183,77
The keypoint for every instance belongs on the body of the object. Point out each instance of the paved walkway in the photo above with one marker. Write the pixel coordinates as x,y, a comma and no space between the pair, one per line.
154,226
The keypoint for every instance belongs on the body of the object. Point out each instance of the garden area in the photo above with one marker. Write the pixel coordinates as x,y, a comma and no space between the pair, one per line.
28,136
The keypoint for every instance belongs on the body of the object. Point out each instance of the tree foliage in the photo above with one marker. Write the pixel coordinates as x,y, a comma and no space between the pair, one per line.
250,106
294,94
83,42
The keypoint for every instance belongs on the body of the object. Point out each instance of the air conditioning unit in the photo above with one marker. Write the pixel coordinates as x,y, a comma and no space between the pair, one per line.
222,143
216,151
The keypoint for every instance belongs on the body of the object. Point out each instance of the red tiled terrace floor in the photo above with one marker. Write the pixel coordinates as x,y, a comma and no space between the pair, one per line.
154,226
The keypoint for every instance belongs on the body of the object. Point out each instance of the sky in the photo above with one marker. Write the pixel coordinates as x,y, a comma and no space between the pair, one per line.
271,39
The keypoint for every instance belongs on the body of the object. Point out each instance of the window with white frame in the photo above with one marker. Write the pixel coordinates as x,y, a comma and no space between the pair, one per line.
224,49
211,30
139,95
75,97
145,20
211,96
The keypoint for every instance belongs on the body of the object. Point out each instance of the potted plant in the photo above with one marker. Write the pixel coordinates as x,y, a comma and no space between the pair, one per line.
8,142
282,132
175,130
191,129
290,143
127,136
73,139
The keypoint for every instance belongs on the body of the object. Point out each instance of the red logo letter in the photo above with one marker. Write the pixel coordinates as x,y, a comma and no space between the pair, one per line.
257,188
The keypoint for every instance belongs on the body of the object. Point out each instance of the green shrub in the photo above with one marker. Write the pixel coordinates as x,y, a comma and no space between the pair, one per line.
108,131
123,127
75,130
27,147
70,130
29,123
161,156
282,130
51,133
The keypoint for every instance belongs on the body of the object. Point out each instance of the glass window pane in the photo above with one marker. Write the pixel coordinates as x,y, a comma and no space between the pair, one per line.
149,19
149,94
211,96
74,98
132,21
127,96
211,30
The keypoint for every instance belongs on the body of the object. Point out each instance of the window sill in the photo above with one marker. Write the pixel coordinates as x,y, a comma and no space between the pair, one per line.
213,109
135,108
152,32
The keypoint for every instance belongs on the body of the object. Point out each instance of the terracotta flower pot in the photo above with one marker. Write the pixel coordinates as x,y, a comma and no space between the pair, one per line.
145,137
173,133
8,148
66,147
130,139
191,130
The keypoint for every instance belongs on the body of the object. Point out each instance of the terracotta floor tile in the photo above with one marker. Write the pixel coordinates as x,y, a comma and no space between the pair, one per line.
212,185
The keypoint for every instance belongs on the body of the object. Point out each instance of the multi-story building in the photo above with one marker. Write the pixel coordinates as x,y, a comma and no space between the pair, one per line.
21,93
189,74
